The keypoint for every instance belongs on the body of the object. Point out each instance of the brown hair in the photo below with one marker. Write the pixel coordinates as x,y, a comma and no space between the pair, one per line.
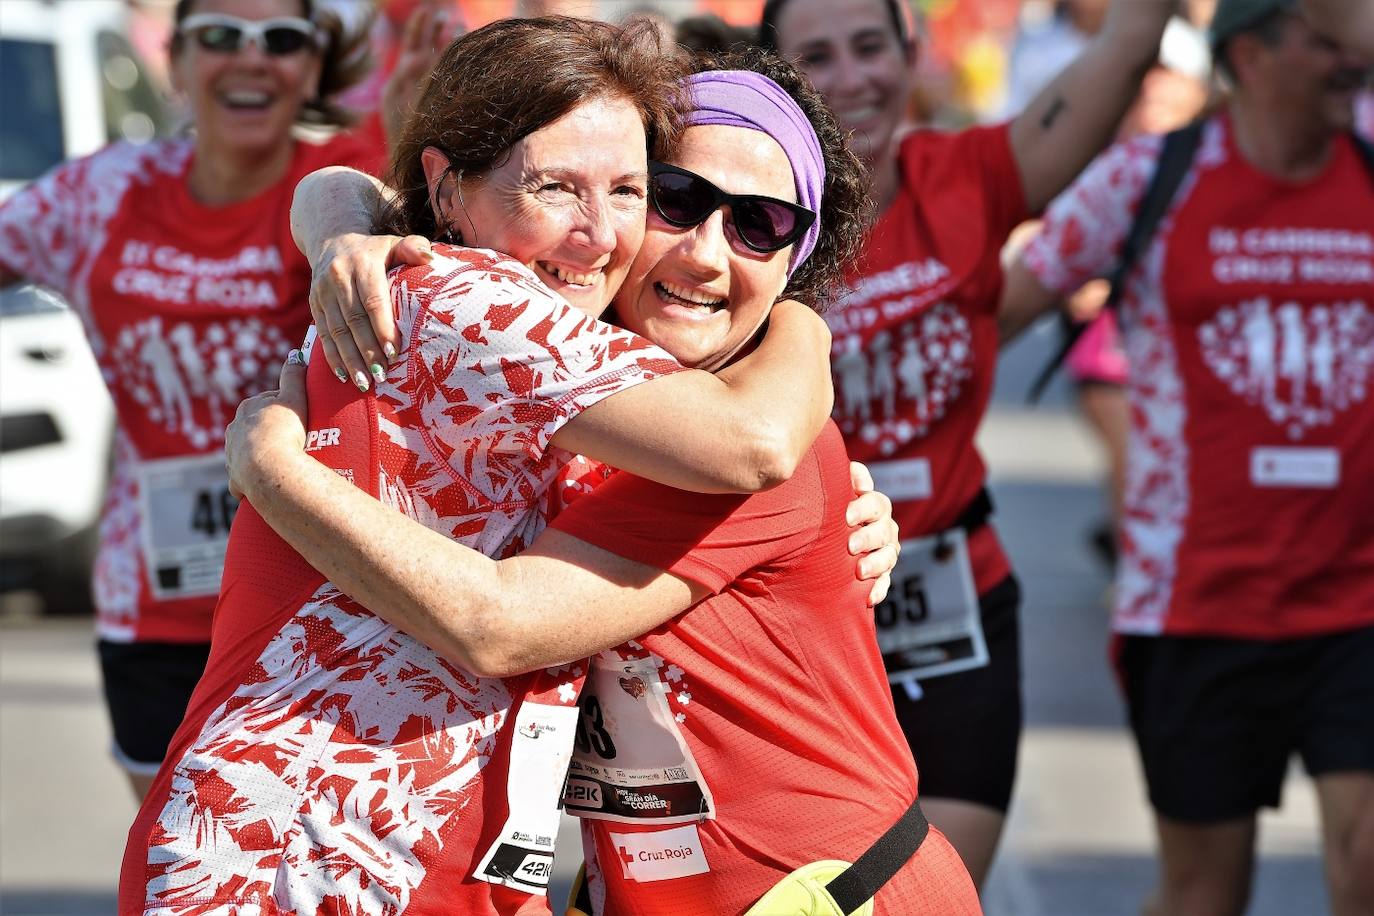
346,57
847,207
504,81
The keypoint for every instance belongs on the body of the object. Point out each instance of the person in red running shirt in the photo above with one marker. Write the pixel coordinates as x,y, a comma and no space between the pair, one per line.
384,778
721,749
177,256
914,357
1245,595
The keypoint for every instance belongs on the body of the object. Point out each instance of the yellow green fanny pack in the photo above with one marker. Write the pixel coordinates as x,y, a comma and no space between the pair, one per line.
828,887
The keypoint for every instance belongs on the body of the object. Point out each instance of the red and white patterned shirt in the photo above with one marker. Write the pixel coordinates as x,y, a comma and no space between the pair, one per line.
915,343
189,309
329,761
1249,333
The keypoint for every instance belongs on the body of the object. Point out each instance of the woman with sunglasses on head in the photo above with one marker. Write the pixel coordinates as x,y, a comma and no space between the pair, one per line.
736,747
384,777
915,354
177,256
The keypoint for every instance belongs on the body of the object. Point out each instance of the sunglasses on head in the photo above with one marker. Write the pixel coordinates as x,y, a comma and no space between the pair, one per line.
227,34
685,199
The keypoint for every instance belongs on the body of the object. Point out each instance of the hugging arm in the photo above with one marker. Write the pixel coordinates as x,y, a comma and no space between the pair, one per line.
493,618
1073,118
332,215
740,430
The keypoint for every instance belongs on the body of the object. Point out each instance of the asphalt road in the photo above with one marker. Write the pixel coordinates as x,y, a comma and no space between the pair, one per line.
1079,841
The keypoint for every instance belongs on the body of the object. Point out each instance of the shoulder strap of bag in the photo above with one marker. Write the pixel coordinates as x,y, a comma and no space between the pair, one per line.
1175,158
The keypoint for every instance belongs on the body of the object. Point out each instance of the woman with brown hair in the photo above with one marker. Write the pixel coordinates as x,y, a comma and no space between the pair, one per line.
330,760
177,258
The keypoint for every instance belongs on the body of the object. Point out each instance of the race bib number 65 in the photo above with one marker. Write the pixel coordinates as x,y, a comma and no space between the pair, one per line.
930,623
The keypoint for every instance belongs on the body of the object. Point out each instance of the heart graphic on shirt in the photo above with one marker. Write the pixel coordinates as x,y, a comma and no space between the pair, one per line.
1302,365
899,383
634,686
189,379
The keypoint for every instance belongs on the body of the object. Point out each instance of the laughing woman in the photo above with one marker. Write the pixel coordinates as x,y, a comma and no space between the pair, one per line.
177,257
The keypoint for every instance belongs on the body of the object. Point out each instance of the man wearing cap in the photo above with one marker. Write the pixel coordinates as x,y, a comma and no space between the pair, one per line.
1353,20
1245,594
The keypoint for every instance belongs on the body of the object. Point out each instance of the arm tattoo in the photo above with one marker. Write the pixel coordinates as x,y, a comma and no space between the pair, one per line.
1057,107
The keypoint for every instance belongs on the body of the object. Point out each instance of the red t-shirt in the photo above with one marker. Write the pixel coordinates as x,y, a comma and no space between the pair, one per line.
754,733
328,761
1249,334
189,309
915,343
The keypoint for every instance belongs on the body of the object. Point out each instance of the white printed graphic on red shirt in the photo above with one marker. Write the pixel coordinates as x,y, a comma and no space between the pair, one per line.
170,368
1302,366
905,380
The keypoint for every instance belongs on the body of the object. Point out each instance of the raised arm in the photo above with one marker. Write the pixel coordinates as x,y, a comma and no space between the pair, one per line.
1024,301
740,430
1073,118
332,215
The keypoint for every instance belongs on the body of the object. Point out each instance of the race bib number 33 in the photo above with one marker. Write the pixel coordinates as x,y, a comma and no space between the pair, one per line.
187,510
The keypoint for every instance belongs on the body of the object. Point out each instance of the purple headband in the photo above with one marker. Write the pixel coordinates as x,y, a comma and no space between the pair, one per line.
742,98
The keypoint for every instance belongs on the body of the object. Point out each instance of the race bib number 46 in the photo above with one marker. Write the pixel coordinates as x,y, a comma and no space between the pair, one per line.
930,623
186,513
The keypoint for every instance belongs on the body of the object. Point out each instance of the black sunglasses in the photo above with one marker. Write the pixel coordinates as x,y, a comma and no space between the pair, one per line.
685,199
227,34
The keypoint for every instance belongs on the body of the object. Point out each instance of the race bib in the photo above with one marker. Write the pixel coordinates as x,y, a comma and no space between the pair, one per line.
522,857
186,513
630,761
930,624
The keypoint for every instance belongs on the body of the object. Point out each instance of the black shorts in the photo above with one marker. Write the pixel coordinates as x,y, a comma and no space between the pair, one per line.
147,688
965,729
1217,720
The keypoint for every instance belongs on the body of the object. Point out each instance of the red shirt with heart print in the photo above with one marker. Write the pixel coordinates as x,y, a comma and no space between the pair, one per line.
189,309
915,342
1249,332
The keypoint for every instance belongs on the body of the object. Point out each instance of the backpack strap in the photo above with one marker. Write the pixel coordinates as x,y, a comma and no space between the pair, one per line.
1366,150
1175,159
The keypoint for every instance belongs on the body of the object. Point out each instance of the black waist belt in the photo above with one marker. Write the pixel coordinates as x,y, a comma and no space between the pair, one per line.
975,514
862,880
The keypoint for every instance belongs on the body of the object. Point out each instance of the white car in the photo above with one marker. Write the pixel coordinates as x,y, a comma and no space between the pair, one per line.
71,82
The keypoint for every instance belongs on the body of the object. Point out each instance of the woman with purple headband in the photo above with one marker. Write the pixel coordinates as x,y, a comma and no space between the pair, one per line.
734,748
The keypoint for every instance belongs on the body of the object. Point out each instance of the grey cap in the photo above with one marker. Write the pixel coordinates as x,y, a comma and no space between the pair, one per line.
1233,16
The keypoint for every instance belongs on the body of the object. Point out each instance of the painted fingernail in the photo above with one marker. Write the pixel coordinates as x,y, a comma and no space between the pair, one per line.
343,376
295,358
389,349
378,373
360,379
